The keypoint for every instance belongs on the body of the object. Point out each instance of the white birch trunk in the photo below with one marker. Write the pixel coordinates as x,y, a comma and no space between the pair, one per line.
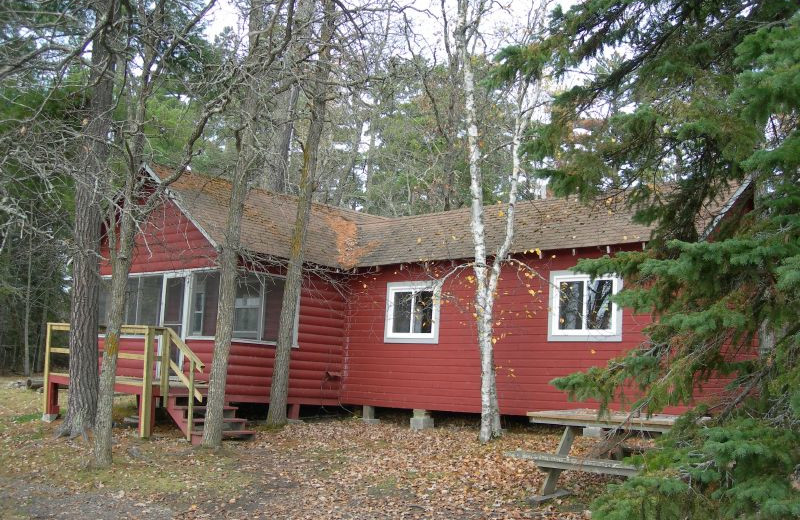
486,275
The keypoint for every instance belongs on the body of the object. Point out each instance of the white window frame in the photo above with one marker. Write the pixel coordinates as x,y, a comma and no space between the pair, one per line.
188,308
295,332
431,337
554,333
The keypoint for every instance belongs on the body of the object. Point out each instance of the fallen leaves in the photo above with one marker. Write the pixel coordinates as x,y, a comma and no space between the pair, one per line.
329,469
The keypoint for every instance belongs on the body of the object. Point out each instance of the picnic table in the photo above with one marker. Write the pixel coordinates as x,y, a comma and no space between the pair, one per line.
574,421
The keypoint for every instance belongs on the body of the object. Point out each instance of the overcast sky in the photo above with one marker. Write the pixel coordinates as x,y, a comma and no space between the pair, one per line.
504,20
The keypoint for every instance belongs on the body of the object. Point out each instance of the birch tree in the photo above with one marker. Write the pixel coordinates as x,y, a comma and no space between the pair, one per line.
487,268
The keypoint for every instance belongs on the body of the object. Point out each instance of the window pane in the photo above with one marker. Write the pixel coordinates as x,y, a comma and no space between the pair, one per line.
273,299
149,302
423,312
570,305
198,305
131,300
598,305
401,312
247,308
205,295
104,303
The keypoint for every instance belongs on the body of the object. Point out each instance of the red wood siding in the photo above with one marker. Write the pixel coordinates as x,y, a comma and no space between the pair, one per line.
314,365
169,241
446,376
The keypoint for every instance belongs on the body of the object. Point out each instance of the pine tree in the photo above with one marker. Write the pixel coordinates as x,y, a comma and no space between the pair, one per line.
703,95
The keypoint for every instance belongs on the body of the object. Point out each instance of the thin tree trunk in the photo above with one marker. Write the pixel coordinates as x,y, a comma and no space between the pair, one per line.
26,329
121,259
484,297
83,377
279,389
39,362
368,164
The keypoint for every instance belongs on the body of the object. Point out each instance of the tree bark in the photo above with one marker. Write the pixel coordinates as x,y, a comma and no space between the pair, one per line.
228,266
348,171
229,254
484,294
83,377
279,389
39,360
121,259
278,177
26,326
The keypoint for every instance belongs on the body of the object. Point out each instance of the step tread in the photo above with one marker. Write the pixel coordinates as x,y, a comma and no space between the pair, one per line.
197,435
200,407
202,420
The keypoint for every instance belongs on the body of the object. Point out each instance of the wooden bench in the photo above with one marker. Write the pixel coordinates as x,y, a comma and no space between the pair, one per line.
562,462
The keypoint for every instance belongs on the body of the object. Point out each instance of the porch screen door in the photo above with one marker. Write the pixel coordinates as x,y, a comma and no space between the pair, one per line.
173,309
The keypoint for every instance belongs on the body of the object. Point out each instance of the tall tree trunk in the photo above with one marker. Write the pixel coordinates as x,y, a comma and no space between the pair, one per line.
228,266
230,250
348,172
484,297
279,389
83,378
278,177
26,328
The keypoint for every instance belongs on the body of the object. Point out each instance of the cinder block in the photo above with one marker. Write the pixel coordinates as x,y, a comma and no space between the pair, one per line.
594,432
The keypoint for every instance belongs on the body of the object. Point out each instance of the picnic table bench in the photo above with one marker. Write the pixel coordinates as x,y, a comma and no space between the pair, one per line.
574,421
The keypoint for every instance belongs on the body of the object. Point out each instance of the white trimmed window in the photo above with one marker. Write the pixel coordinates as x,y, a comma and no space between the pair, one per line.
256,307
159,299
412,312
581,308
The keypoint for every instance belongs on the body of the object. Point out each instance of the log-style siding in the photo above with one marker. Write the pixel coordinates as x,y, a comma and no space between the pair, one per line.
446,375
170,242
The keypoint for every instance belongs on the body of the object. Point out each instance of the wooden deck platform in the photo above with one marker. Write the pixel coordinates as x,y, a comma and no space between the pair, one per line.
163,382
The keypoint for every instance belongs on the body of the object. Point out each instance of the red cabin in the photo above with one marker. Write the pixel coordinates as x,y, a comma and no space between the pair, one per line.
385,316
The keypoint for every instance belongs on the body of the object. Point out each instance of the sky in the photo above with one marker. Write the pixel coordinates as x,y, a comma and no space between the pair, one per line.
504,20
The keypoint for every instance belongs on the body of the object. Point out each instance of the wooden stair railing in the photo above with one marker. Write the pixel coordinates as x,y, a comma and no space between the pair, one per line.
169,337
148,358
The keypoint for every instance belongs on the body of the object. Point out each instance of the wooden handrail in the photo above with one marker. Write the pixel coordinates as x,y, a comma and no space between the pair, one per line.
148,358
185,349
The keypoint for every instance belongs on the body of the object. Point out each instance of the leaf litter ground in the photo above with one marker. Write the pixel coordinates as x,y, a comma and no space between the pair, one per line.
334,468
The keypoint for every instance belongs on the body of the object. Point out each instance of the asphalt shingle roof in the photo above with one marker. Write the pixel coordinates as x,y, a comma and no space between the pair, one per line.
343,238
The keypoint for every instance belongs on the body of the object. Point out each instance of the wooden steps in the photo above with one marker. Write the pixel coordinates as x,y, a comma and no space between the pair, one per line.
233,428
